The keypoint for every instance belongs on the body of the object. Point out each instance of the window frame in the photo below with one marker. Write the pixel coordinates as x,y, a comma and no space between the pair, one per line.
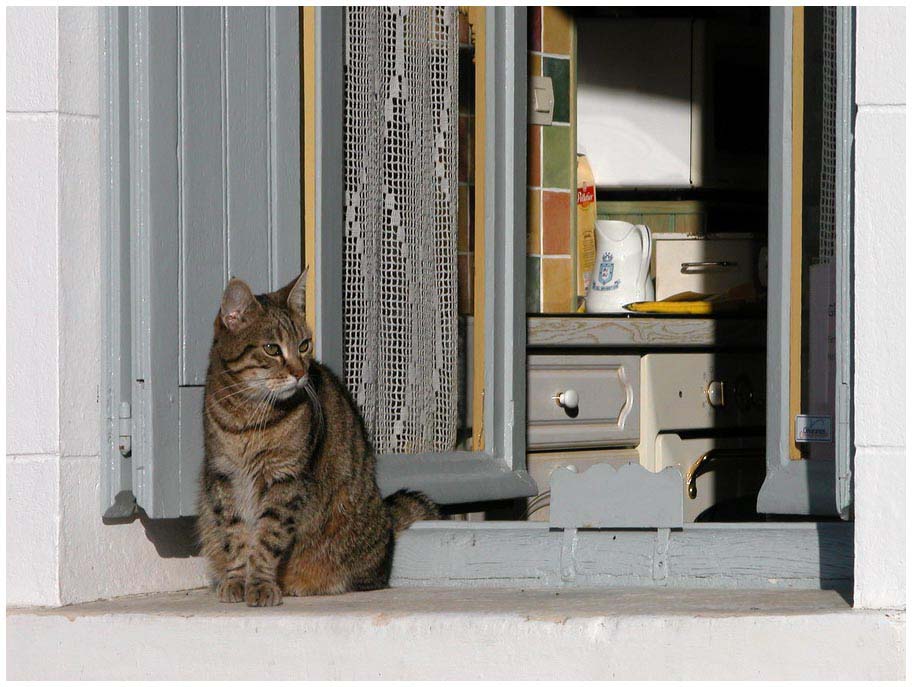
772,555
803,487
498,470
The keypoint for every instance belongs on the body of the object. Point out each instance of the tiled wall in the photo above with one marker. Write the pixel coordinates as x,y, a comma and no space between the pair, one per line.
466,237
552,167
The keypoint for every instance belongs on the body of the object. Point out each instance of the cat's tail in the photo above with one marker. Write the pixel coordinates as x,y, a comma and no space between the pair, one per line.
407,506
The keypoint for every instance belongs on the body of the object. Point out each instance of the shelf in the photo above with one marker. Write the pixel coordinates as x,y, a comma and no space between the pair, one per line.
624,331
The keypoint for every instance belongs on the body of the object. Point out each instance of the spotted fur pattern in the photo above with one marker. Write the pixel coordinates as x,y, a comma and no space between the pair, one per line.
289,503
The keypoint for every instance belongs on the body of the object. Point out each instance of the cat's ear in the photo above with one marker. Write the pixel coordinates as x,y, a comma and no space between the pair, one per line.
238,302
297,293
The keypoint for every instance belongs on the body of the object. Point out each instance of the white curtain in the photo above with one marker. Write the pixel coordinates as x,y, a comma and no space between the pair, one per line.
400,224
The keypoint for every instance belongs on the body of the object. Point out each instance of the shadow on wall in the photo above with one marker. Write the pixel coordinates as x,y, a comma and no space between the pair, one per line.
171,537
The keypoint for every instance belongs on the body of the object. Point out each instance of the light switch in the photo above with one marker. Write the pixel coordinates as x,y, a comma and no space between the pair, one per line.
541,100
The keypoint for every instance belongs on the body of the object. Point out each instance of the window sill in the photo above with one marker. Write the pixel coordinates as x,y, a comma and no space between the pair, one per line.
463,633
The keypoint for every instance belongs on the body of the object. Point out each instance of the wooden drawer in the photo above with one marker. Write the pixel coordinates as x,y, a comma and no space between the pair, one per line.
608,411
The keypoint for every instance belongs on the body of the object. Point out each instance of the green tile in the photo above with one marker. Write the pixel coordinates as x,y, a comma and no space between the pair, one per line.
559,71
556,154
533,284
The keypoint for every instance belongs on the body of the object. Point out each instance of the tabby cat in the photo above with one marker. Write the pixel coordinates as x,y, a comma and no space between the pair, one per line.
289,502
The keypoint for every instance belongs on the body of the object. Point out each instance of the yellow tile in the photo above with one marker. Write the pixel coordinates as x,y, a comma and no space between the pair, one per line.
557,27
557,285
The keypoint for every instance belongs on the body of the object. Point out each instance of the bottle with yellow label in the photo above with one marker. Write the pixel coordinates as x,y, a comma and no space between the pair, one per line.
585,224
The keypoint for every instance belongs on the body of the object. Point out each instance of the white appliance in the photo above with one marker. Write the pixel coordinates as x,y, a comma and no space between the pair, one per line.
716,470
621,272
699,392
705,265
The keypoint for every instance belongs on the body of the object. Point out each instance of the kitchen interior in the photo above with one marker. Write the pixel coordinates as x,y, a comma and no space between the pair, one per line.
647,244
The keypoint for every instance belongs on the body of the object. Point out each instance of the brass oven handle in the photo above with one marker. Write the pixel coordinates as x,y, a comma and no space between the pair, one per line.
706,266
713,458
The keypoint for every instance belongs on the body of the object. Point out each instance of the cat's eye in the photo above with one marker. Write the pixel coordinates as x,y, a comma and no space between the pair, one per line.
305,346
272,349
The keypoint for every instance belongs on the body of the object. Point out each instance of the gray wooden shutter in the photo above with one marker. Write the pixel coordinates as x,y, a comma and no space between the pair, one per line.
206,120
818,487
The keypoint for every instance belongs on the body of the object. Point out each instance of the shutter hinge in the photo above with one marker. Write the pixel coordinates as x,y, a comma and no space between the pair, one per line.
125,430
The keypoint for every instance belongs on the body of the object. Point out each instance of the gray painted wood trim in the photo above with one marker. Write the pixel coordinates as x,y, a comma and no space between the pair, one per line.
154,59
845,100
454,477
736,556
791,487
626,497
286,216
780,166
329,114
643,332
498,472
505,233
115,389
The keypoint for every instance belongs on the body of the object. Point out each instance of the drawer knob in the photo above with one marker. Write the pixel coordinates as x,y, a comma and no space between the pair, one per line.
715,394
567,399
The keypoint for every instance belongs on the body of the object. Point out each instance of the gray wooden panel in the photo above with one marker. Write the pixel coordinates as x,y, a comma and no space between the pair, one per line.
285,215
190,401
608,411
115,396
644,332
629,496
247,86
453,477
728,556
155,257
329,121
462,556
214,150
791,487
844,321
202,184
239,161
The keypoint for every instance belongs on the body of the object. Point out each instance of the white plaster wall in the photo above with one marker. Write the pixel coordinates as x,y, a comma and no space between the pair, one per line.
32,427
59,551
880,227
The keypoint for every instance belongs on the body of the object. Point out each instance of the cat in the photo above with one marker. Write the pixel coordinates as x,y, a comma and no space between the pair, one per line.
289,503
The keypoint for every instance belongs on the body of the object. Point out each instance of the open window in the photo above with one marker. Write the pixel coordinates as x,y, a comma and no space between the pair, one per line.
194,161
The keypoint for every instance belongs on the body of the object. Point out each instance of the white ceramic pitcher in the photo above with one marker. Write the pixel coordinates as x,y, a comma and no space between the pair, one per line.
621,272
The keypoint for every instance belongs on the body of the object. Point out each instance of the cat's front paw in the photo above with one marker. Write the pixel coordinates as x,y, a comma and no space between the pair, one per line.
262,593
231,591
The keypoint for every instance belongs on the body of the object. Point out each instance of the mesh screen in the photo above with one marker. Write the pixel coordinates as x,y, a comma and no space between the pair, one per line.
400,224
828,147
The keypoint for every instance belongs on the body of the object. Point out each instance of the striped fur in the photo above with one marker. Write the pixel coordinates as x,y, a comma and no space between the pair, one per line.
289,503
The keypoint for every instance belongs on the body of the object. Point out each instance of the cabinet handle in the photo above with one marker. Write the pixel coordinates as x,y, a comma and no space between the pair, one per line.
715,458
707,266
567,399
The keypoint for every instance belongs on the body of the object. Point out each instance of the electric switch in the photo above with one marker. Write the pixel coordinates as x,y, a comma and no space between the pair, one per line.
541,100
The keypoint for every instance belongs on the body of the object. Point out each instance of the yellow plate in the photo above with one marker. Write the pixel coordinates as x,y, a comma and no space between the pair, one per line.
681,307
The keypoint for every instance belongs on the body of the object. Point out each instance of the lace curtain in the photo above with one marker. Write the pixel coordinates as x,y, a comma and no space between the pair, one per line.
400,224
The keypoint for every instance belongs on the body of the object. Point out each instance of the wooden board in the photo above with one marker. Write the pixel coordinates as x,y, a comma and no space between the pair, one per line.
797,209
732,556
644,332
477,27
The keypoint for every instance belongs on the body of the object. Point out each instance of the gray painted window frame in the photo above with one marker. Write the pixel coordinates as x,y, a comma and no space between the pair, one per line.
771,555
802,486
497,472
